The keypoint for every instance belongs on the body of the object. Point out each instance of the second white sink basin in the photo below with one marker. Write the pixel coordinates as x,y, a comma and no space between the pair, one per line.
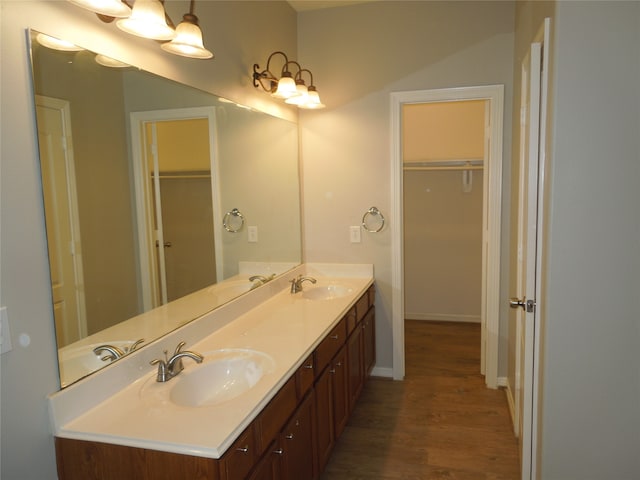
326,292
223,375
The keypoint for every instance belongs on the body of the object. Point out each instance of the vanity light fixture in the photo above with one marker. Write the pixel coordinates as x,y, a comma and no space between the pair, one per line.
110,8
148,19
188,39
292,90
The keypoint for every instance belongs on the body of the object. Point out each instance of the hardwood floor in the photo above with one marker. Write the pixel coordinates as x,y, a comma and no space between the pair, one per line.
441,422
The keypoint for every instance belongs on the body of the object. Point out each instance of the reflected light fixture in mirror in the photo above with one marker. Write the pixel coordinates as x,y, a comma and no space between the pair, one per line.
56,43
148,19
294,92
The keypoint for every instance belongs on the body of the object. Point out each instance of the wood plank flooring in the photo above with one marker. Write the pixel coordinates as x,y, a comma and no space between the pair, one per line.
441,422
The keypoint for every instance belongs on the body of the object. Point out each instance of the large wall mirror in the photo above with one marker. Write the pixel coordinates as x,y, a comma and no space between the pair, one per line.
162,202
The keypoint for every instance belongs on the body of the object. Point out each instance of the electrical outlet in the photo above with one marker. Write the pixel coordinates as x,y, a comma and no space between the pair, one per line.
354,234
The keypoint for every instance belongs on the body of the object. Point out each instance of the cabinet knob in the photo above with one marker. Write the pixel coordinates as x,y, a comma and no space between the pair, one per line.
335,337
289,436
310,366
333,370
279,451
244,449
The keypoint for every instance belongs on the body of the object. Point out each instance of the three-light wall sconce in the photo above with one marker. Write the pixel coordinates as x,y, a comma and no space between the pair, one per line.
288,86
148,19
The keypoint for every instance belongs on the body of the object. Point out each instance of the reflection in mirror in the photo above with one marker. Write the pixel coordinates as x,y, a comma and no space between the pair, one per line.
138,174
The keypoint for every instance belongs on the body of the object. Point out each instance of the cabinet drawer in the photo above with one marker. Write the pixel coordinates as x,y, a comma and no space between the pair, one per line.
241,456
305,377
276,413
362,305
330,345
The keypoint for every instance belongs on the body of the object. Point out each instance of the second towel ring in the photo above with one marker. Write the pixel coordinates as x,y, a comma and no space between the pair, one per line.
374,212
226,221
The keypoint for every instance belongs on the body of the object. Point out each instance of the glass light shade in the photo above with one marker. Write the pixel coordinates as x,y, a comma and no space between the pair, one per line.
147,20
110,8
301,97
286,87
313,100
57,44
188,41
110,62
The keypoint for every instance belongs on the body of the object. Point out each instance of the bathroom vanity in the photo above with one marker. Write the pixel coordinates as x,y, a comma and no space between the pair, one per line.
303,358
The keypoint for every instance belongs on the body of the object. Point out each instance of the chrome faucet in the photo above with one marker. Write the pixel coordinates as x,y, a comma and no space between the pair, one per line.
169,368
296,283
114,353
261,280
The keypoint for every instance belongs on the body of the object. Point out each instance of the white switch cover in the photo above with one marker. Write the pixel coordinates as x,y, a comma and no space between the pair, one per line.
252,233
354,234
5,335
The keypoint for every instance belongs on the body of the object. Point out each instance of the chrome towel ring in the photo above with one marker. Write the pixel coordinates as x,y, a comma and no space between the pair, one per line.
367,220
233,221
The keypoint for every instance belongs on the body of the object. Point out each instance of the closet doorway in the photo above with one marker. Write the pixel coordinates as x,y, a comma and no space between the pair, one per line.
176,192
452,214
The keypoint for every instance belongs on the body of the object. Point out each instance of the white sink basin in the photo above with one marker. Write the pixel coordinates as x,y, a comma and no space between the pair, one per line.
222,376
326,292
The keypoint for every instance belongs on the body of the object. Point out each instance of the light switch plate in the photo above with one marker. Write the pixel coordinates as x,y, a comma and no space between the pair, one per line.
354,234
5,334
252,234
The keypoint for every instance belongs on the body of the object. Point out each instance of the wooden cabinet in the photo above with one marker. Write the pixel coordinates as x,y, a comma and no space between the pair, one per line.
297,444
291,439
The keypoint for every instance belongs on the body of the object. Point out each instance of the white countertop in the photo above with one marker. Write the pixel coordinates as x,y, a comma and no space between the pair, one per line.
286,327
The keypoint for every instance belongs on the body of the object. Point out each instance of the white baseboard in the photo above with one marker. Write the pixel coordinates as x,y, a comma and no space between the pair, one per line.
382,372
510,400
442,317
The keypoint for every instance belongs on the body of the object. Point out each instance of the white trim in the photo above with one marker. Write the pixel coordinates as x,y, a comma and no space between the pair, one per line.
442,317
143,197
382,372
504,382
491,237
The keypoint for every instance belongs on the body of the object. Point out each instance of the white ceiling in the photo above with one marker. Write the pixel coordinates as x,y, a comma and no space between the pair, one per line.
303,5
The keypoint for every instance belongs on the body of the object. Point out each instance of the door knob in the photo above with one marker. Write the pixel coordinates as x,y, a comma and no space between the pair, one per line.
515,302
526,305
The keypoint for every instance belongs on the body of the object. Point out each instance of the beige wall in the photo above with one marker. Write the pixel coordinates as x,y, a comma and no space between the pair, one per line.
443,131
239,33
359,55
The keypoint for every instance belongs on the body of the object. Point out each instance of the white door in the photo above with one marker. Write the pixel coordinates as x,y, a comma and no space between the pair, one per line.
527,299
61,214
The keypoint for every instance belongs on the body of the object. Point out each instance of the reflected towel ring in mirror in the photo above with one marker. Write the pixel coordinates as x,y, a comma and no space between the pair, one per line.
233,221
372,225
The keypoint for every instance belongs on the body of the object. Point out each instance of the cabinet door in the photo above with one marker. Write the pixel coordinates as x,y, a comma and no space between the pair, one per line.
269,466
240,458
369,340
340,392
355,367
325,435
297,444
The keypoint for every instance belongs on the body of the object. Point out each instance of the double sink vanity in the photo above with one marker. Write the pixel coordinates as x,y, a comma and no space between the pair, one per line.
268,383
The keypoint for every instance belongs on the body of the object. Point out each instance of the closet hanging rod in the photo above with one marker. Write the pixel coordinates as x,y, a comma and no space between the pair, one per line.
165,176
470,164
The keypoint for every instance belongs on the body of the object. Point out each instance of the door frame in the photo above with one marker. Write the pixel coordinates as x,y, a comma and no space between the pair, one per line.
63,107
144,198
490,314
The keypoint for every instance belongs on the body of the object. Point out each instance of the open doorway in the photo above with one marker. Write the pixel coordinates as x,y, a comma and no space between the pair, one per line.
492,99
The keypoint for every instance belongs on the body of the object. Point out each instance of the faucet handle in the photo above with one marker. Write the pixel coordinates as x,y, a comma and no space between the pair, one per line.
162,369
177,365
